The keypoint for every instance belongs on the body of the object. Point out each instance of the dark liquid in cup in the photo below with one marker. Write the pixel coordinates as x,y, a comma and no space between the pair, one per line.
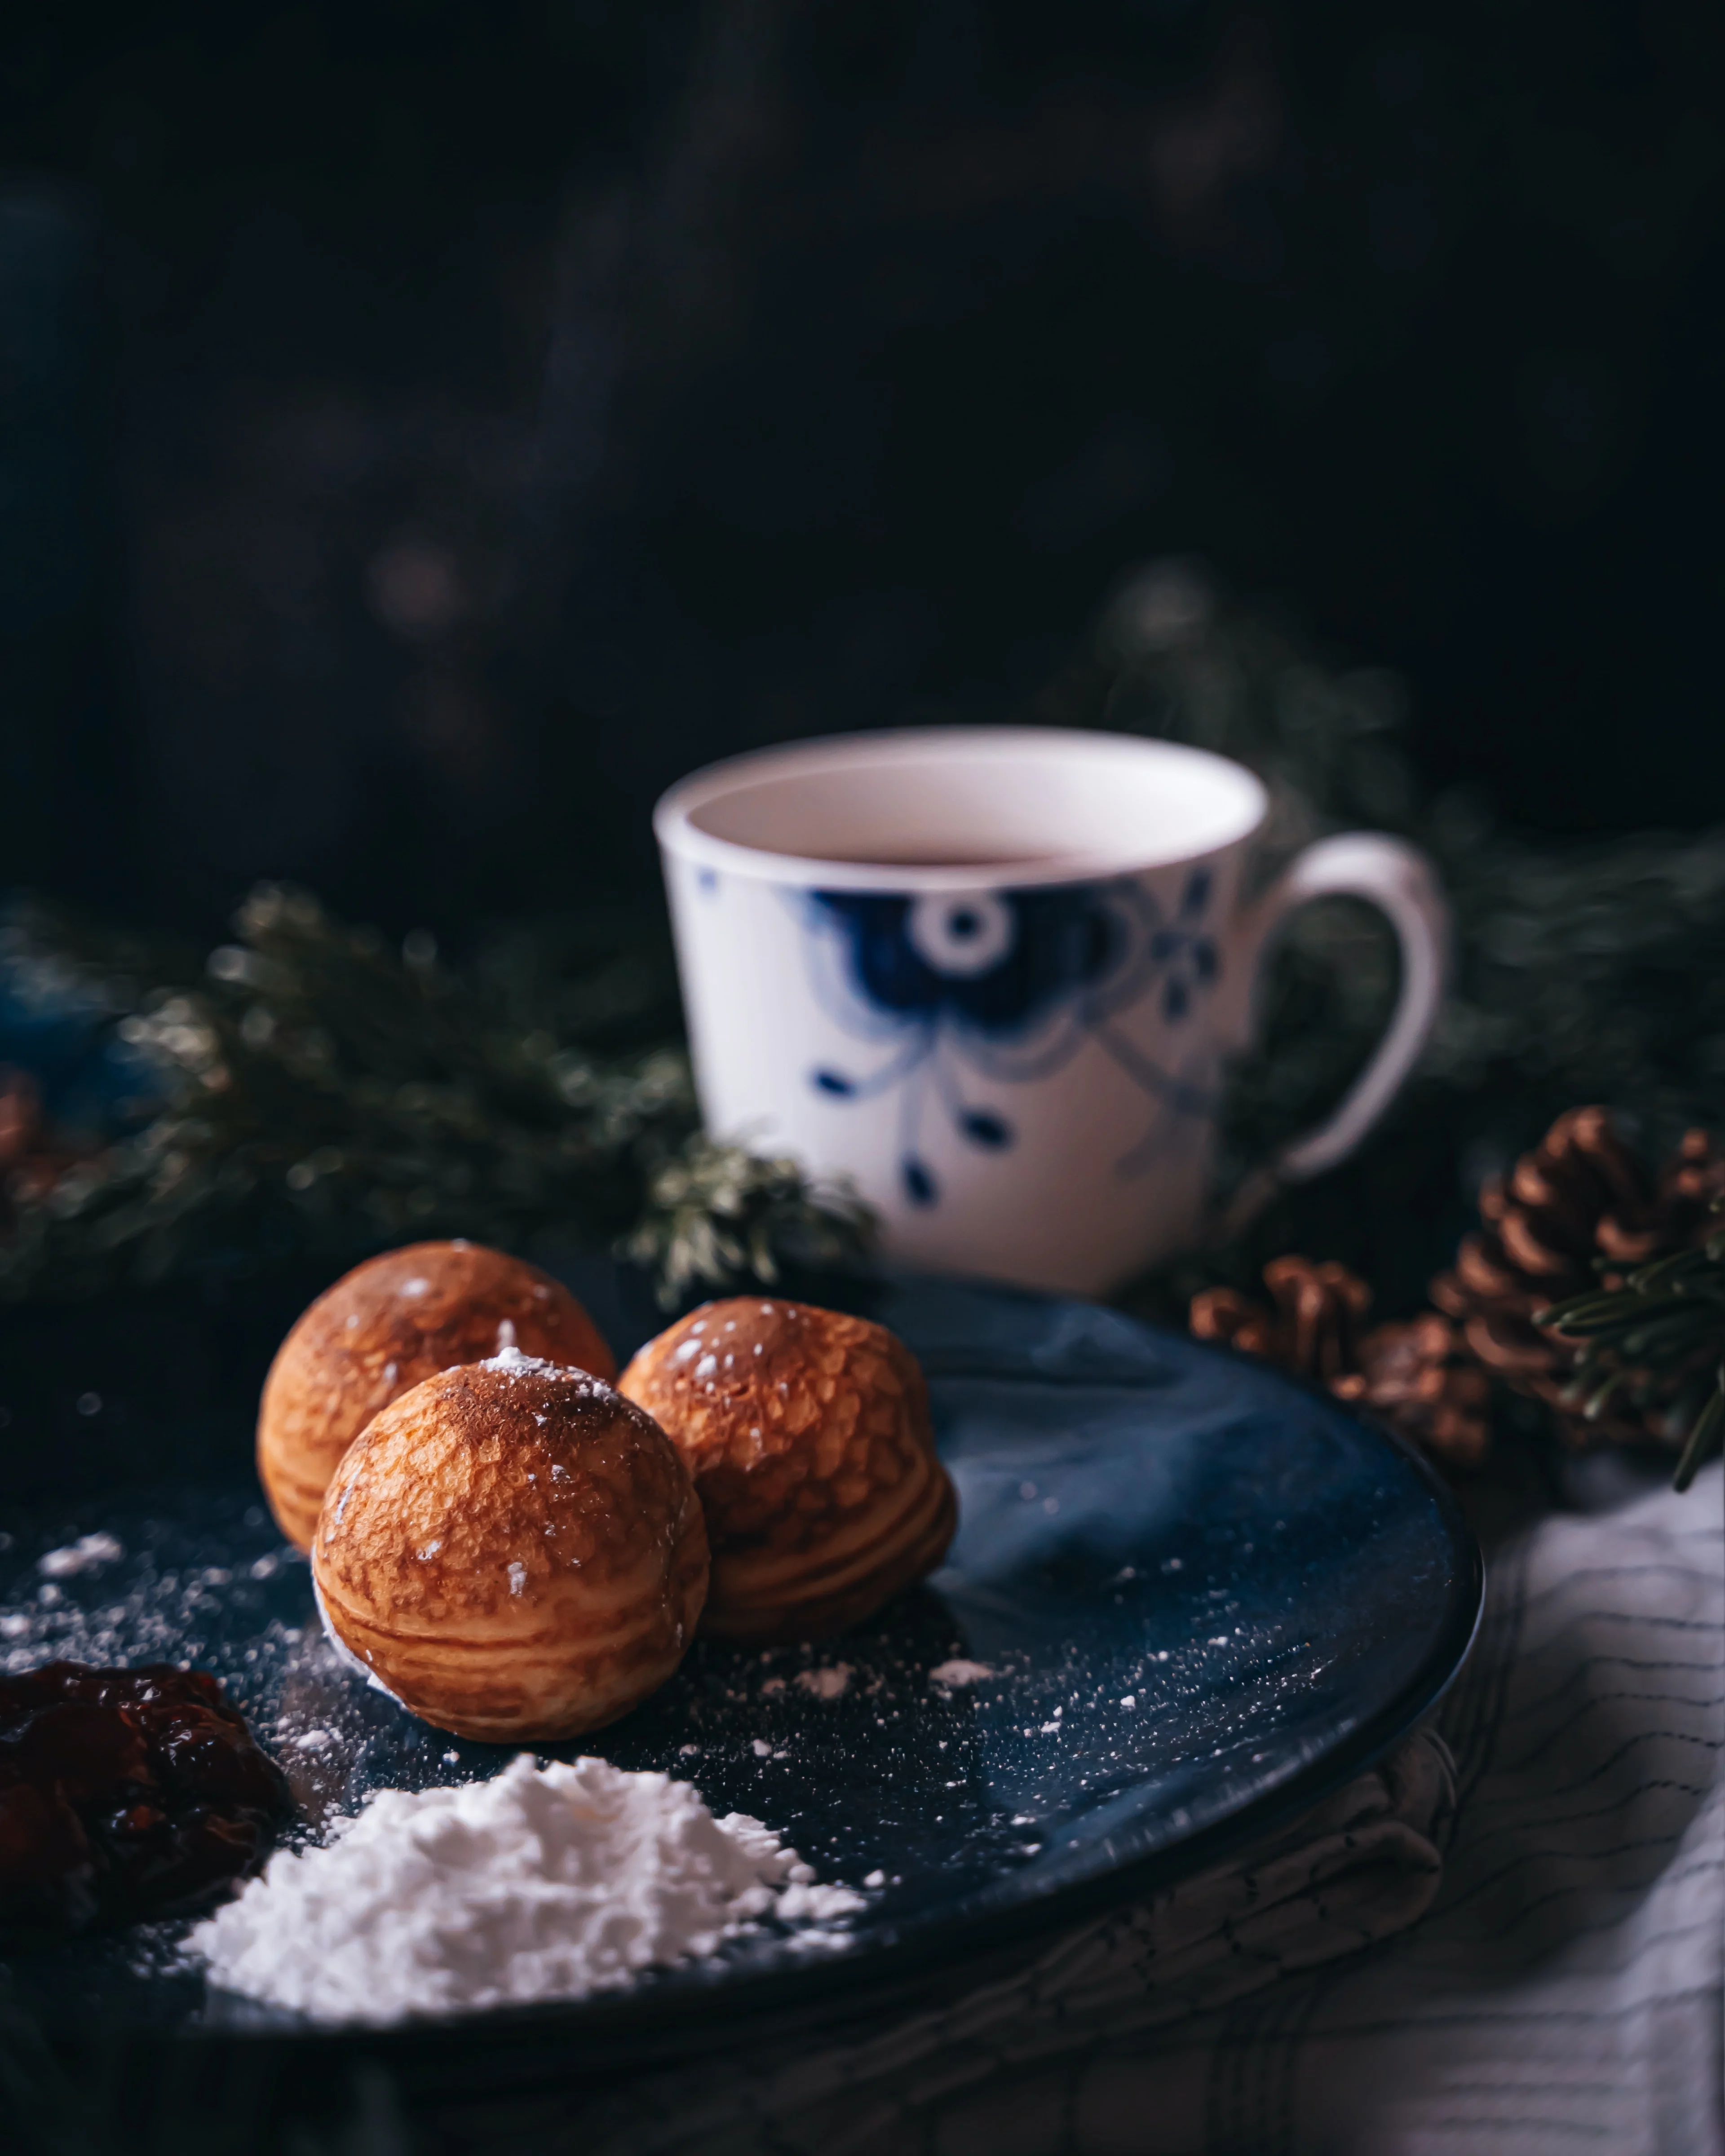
933,857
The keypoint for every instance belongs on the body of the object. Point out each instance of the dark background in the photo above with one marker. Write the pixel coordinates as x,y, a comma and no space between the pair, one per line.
426,430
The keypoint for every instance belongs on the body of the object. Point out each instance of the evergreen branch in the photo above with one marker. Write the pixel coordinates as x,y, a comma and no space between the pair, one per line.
1666,1321
318,1095
719,1215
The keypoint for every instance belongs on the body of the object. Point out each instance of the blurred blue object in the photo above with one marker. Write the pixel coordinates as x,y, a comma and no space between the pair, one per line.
60,1025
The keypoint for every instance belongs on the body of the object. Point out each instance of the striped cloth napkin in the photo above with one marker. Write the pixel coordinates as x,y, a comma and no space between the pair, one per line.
1505,1942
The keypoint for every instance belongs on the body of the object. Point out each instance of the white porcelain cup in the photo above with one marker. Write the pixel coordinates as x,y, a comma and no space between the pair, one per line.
992,975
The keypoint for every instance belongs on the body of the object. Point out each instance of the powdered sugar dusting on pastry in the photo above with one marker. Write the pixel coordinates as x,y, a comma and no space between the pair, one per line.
512,1363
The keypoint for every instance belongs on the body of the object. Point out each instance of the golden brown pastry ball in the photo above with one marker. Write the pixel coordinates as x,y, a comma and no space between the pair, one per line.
382,1328
807,1436
512,1550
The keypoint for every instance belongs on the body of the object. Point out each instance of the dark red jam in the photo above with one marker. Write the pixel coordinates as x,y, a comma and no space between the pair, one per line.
126,1794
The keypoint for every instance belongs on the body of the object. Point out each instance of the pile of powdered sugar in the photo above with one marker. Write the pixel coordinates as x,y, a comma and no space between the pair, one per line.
542,1883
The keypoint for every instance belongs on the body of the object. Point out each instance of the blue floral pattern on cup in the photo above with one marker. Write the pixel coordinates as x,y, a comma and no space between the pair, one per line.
1005,986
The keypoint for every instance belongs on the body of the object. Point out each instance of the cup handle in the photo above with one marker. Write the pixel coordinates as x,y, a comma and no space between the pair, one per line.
1398,880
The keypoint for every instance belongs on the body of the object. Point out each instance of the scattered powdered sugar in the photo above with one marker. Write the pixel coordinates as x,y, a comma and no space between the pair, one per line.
958,1671
542,1883
83,1555
825,1684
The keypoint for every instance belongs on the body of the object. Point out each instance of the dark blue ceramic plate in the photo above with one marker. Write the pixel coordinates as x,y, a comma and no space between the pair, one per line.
1198,1597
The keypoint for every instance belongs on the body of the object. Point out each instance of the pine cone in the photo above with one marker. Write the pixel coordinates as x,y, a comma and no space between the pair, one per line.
1419,1377
1580,1197
1413,1375
1310,1328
